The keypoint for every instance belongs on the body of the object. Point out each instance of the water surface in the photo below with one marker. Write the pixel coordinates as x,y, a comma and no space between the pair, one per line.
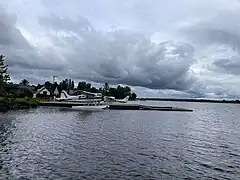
47,143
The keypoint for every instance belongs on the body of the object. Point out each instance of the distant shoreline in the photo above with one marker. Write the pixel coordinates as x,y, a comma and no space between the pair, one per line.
191,100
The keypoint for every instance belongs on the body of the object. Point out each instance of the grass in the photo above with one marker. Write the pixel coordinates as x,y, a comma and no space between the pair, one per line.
19,103
26,101
10,103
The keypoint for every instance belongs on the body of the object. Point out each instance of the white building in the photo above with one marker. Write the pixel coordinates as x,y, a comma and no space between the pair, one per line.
43,91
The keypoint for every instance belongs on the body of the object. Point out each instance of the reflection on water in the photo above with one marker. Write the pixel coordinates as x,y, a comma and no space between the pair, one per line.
47,143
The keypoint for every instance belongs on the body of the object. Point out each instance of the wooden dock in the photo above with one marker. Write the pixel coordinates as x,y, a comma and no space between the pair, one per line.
120,106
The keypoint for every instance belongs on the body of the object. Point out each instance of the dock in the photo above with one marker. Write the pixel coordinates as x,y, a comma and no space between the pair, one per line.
120,106
146,107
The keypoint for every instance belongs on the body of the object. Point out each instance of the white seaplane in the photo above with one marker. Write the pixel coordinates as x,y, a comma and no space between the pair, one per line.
64,96
111,99
88,101
85,102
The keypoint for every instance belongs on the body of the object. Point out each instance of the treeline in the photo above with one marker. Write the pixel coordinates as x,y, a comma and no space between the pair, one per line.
191,100
119,92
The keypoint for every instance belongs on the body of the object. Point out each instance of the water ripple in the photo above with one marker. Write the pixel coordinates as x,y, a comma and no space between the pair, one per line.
50,144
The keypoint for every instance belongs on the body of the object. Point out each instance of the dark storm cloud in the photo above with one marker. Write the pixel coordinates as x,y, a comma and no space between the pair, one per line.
123,56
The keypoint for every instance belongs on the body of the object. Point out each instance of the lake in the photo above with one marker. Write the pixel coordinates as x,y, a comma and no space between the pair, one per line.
47,143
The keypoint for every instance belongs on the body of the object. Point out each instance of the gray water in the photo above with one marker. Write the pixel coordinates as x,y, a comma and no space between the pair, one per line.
47,143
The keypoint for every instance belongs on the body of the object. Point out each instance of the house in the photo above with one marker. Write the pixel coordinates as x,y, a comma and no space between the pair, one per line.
43,92
25,91
19,90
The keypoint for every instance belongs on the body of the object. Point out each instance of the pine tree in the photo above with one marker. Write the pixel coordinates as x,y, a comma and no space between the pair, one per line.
72,87
4,76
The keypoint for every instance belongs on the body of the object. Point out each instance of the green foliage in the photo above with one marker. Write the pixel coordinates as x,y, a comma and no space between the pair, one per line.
72,85
106,87
119,92
4,76
82,85
10,103
133,96
29,101
48,85
66,84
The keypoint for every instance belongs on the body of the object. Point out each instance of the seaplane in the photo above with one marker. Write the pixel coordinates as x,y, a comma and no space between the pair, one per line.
88,96
84,102
111,99
90,101
64,96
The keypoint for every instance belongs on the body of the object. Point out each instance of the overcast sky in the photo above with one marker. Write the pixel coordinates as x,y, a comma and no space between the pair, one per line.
161,48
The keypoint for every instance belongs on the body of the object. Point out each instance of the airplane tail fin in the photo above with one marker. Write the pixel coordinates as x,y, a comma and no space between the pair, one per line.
126,98
64,95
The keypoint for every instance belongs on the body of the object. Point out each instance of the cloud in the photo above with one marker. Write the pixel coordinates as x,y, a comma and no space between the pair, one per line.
231,65
174,51
10,36
118,56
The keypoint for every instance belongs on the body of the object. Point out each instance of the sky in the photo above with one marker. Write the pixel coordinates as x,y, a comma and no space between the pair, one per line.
164,48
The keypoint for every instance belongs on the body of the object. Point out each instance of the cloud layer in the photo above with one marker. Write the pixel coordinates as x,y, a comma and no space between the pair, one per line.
171,47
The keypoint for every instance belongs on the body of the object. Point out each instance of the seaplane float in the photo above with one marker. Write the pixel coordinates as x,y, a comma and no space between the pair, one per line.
88,101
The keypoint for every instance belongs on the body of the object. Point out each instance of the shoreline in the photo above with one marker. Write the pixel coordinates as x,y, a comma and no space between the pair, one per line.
7,104
192,100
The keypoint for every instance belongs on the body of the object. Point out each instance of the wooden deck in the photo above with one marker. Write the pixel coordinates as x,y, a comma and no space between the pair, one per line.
120,106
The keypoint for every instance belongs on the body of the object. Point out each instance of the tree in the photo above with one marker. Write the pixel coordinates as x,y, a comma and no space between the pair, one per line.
119,87
82,85
48,85
133,96
88,86
106,88
94,90
72,86
69,84
4,76
25,82
100,90
63,85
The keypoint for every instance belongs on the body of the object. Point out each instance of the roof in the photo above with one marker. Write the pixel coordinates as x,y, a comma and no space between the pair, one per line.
19,86
10,86
31,88
41,89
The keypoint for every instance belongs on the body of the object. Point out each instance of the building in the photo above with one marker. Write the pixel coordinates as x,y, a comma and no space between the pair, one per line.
43,92
19,90
56,92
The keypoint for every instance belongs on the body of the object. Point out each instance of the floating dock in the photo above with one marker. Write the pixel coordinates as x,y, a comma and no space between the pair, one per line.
120,106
